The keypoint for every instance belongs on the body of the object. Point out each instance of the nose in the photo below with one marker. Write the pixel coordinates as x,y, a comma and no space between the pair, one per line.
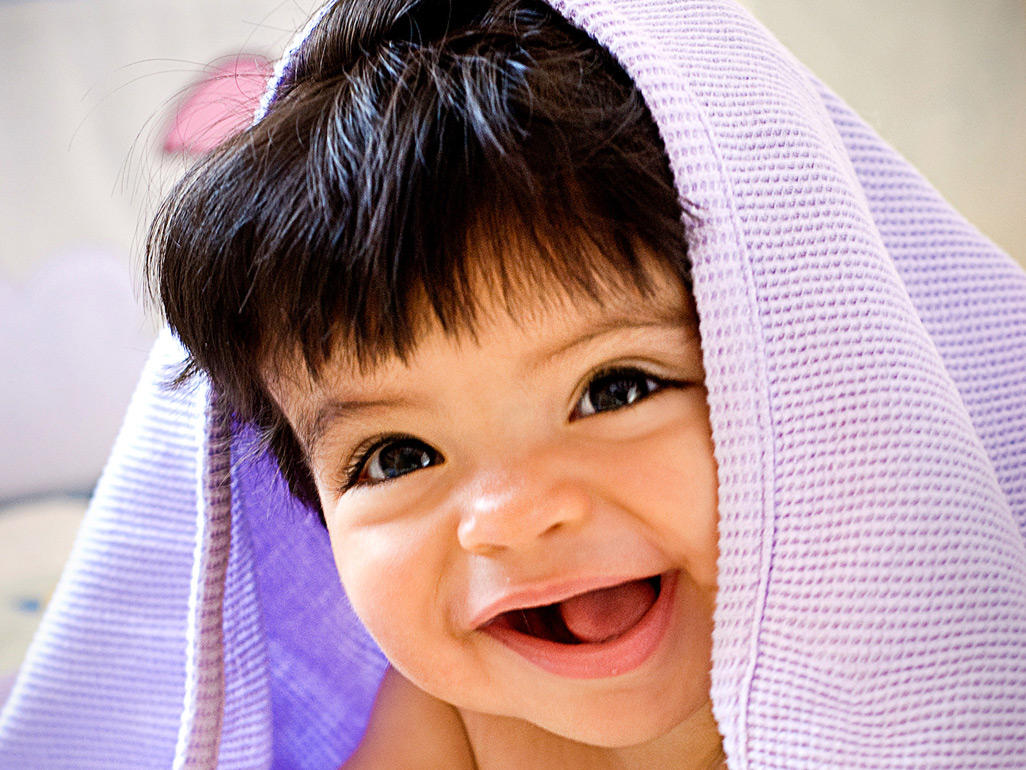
502,512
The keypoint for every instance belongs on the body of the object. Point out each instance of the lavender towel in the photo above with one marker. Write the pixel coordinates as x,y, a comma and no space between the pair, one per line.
865,351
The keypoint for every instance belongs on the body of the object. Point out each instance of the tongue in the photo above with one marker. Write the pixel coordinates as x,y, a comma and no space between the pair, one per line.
600,615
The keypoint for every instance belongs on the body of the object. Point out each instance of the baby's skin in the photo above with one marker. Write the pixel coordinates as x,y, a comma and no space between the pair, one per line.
524,516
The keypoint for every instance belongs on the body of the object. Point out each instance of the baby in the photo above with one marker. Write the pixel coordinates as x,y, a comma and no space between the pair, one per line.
525,521
446,275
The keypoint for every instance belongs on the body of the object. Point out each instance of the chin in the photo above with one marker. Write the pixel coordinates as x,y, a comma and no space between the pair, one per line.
622,724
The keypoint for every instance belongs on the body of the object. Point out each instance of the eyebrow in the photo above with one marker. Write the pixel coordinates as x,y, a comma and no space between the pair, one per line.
311,432
665,317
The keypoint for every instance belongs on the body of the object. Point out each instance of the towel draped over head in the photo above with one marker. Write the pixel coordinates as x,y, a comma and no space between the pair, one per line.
865,357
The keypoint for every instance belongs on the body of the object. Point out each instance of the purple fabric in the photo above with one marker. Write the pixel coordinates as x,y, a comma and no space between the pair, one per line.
865,351
323,668
103,684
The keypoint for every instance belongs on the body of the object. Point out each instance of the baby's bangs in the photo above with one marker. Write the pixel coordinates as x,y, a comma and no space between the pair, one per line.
527,256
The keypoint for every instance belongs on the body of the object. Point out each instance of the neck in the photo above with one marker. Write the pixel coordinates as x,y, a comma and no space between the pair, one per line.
504,742
694,744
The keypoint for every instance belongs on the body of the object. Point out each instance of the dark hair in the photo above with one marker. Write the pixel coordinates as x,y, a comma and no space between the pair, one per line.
404,132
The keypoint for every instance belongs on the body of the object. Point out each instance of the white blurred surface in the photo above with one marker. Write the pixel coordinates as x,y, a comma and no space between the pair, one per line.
944,81
88,89
35,540
78,341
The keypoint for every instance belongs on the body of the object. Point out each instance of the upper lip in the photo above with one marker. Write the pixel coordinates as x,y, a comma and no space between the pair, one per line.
545,593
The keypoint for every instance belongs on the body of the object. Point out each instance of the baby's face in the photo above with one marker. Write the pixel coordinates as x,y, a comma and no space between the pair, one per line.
525,519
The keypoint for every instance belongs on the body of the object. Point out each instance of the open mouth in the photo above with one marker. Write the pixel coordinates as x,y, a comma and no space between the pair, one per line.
594,617
602,633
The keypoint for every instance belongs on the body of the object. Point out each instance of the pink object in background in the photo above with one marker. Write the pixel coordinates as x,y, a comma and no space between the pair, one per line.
219,106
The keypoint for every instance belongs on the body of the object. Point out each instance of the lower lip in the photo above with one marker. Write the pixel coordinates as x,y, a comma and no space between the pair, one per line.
603,659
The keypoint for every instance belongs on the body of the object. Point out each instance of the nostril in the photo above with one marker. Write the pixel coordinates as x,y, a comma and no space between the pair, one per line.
471,536
555,527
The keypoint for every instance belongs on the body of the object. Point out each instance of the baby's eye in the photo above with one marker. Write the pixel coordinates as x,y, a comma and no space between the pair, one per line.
615,389
391,458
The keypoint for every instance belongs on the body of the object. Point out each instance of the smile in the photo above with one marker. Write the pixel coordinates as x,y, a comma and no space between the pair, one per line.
600,633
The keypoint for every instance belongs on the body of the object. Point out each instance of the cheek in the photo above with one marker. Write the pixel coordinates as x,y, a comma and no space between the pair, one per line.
697,503
677,492
389,573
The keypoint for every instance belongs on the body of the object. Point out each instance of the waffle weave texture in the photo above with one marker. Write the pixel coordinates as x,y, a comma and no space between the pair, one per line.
865,355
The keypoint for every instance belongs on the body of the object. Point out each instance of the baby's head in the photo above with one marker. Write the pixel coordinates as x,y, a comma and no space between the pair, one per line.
446,276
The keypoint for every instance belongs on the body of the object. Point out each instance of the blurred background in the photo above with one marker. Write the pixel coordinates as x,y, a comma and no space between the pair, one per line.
105,102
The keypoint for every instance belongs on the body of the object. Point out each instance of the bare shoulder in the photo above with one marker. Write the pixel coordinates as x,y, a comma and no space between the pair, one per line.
410,729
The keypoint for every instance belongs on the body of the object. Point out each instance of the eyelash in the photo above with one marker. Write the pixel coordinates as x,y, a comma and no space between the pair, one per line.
357,464
362,454
658,383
